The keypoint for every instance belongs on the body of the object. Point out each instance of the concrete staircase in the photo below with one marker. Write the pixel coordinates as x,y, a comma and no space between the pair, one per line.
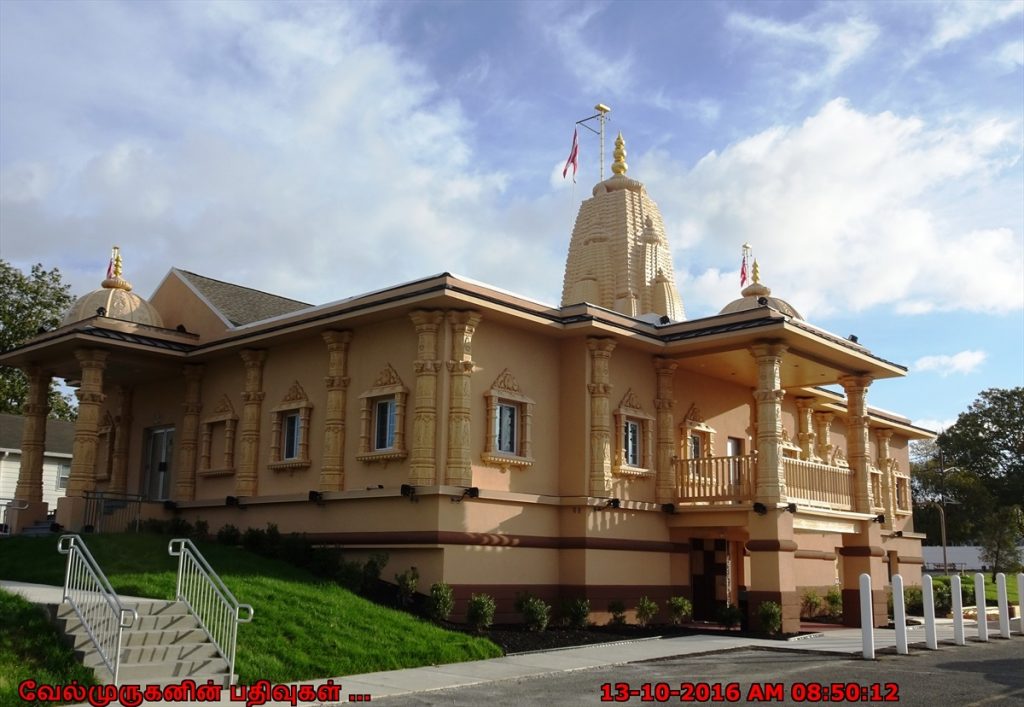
166,645
41,528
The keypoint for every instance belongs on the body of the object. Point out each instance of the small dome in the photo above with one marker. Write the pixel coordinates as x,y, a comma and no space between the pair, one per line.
753,293
115,300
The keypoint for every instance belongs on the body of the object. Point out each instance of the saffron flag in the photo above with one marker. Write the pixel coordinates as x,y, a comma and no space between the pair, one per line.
743,270
574,156
110,266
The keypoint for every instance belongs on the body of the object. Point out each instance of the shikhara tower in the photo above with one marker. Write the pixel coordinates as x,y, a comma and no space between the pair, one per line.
619,257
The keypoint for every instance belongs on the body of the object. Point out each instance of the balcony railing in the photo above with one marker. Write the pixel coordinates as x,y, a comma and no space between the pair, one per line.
819,484
112,512
716,479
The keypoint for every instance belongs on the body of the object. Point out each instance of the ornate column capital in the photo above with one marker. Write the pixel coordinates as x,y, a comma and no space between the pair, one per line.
92,358
427,320
665,366
336,338
600,347
767,349
857,382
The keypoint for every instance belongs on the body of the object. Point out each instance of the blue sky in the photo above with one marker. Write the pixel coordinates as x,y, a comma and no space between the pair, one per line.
870,152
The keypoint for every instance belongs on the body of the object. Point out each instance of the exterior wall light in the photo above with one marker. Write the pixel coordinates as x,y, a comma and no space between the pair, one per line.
470,492
791,507
613,503
234,501
880,518
170,506
409,491
760,509
316,497
669,508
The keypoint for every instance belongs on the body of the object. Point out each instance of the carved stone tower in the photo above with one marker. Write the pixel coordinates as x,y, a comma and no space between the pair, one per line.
619,257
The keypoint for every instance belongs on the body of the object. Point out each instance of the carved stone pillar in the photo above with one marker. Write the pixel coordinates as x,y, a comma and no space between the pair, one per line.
188,441
600,416
423,460
122,436
857,444
459,468
33,437
806,436
888,500
771,482
667,487
332,471
823,435
90,400
247,480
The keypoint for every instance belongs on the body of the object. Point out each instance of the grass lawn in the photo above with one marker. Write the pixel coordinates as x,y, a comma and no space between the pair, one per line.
991,595
30,647
303,627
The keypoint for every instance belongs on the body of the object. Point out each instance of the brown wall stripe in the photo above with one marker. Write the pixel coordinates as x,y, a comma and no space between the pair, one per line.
862,551
814,555
771,546
449,537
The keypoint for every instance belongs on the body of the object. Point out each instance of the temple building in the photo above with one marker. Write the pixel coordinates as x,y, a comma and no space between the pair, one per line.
607,448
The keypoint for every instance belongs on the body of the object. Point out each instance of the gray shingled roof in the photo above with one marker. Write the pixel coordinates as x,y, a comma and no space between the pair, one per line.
60,434
241,305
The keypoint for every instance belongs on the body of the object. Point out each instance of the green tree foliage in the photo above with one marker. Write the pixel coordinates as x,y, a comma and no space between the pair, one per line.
976,470
28,302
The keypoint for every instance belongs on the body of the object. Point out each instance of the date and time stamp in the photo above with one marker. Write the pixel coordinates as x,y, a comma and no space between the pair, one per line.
726,692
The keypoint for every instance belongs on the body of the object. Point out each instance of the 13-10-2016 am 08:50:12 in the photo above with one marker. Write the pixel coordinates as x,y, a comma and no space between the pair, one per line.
757,692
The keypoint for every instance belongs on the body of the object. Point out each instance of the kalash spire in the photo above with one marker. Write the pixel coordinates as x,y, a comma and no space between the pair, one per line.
619,257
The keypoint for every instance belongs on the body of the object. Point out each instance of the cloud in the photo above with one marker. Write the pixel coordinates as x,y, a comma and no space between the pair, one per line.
957,21
964,362
1010,56
830,46
848,211
596,70
935,425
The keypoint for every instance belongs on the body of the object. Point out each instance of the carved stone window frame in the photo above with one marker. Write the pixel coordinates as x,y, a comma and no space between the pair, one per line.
505,390
294,401
223,414
388,384
693,424
631,410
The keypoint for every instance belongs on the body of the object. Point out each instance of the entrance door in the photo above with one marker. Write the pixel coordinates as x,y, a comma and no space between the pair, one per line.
157,473
708,568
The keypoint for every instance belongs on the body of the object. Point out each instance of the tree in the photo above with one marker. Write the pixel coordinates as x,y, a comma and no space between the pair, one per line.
28,302
999,540
976,469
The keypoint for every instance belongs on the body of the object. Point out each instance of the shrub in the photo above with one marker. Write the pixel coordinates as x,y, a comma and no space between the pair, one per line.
617,608
536,613
576,613
348,574
681,609
201,530
296,549
834,602
229,535
810,604
255,540
273,542
372,569
913,600
943,599
770,615
179,527
730,616
646,610
480,612
407,582
442,601
153,525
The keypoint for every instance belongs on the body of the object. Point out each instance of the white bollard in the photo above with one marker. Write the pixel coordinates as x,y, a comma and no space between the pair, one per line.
899,614
867,618
958,610
1004,606
1020,600
979,601
928,596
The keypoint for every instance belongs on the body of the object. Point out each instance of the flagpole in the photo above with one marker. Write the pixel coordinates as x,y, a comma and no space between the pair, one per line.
602,117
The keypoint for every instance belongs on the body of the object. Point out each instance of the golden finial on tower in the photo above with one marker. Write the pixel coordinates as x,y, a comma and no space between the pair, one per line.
114,269
619,165
757,272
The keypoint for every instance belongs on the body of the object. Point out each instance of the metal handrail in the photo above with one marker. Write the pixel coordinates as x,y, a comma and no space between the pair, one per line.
6,504
123,510
94,601
209,599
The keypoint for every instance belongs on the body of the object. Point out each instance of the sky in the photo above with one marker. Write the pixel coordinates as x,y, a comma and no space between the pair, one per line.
870,153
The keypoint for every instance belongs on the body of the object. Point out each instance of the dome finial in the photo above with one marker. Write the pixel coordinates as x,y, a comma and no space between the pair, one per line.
757,272
115,267
619,165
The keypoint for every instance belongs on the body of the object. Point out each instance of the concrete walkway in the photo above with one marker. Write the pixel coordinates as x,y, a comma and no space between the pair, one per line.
840,642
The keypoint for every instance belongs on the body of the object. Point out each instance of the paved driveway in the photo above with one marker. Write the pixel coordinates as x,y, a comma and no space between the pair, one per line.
977,674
